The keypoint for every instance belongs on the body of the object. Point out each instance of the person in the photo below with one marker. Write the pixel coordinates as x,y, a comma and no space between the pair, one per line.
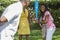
24,29
9,20
47,22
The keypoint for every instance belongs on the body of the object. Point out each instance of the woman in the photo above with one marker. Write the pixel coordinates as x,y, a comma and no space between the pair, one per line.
24,29
47,23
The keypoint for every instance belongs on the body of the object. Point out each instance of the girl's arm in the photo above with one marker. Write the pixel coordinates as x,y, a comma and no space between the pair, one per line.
46,20
39,23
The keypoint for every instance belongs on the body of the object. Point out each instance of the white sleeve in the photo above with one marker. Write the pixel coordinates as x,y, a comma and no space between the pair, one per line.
11,12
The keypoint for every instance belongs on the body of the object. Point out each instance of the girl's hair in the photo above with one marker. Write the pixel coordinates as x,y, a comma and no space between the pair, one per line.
46,9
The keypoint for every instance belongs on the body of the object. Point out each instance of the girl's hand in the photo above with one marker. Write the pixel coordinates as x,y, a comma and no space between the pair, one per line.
40,25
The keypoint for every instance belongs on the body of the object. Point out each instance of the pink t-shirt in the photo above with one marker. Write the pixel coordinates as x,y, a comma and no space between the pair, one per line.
50,20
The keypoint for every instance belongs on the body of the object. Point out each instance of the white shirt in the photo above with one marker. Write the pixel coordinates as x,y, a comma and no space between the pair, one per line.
12,13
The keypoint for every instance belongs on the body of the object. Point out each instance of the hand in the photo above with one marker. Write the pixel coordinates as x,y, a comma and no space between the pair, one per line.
40,25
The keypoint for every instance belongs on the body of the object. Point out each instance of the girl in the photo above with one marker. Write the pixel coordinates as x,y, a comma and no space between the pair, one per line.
24,26
24,29
47,23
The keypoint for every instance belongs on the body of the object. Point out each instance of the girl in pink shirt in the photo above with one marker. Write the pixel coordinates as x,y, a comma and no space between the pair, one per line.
47,22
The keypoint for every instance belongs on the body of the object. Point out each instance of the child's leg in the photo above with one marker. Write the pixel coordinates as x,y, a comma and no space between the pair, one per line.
44,29
27,37
44,35
20,37
44,38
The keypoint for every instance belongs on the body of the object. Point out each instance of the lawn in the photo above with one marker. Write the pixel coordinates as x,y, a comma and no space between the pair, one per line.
36,35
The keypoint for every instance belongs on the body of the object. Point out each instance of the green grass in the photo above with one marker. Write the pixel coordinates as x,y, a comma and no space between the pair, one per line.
37,35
